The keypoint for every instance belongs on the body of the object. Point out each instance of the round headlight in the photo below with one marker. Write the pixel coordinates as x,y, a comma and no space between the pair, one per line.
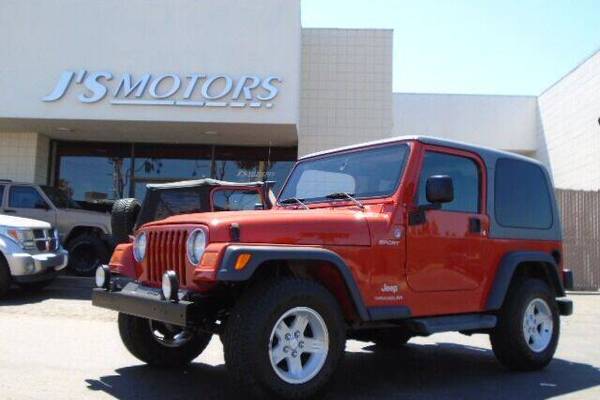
196,244
102,276
139,247
170,285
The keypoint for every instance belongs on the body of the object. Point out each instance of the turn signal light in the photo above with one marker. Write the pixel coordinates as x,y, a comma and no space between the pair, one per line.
242,260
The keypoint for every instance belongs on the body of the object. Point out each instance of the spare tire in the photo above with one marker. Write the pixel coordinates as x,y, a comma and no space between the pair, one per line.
122,219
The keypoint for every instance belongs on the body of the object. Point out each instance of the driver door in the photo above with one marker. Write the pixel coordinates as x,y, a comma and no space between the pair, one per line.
445,246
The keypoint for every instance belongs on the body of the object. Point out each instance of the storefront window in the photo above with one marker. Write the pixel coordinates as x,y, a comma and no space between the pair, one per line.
98,171
94,178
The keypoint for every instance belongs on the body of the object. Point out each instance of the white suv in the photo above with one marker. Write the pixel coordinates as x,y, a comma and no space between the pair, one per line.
30,253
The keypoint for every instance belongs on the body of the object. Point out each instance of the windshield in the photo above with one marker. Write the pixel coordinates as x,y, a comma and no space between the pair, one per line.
363,174
59,198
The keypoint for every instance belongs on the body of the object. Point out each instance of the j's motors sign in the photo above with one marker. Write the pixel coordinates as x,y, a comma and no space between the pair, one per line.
191,90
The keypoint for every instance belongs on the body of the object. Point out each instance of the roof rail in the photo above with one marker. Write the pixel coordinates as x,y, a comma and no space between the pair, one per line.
5,180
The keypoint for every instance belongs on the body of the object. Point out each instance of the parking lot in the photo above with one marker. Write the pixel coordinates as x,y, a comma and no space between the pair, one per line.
55,345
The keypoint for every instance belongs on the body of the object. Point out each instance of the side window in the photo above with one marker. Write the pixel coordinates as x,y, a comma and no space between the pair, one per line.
1,194
522,198
234,200
25,197
465,175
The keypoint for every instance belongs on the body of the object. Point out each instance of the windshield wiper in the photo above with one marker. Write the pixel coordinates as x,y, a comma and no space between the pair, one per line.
294,200
344,195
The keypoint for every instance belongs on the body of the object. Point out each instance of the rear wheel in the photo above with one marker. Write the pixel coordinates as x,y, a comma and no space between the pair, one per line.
528,326
5,278
160,344
86,252
284,339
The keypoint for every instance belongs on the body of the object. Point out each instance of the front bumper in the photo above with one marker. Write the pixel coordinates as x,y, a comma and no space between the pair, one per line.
146,302
25,267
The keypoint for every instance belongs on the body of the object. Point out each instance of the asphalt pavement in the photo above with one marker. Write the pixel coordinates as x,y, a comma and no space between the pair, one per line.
55,345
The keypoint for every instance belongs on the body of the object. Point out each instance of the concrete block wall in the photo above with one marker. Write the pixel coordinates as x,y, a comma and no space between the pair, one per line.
24,156
346,93
569,141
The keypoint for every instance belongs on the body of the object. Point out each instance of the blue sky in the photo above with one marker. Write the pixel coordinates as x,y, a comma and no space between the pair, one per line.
473,46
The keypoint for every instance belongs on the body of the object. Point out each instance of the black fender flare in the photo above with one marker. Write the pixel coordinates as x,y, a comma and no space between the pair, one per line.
261,254
507,267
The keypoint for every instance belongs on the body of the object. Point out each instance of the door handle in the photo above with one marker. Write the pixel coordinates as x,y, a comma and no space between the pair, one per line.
9,211
474,225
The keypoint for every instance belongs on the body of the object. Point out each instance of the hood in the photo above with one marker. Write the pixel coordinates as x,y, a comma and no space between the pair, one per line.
19,222
299,227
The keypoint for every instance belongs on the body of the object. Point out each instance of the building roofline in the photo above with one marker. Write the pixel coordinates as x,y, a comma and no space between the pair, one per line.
586,59
465,94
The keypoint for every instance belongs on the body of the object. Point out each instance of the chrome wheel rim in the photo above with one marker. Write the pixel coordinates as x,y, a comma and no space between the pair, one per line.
298,345
169,335
538,325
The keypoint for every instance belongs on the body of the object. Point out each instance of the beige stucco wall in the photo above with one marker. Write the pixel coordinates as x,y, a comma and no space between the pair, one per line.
346,94
42,39
24,156
569,141
501,122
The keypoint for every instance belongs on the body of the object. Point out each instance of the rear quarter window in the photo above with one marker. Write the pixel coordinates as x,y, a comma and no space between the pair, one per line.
522,195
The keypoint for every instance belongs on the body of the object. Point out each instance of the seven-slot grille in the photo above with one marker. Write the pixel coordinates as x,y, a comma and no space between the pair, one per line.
45,239
166,250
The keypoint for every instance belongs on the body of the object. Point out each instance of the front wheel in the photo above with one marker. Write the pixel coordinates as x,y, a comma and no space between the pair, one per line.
86,252
284,339
159,344
528,327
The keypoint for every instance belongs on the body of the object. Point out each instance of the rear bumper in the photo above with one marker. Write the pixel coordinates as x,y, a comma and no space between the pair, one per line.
565,306
145,302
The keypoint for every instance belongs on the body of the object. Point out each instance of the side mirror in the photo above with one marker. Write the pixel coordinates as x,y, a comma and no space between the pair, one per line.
439,189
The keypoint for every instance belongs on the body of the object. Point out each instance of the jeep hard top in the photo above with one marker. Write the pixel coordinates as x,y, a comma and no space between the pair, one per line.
382,241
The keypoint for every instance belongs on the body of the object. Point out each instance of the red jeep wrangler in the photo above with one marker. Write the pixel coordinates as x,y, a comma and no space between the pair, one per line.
383,241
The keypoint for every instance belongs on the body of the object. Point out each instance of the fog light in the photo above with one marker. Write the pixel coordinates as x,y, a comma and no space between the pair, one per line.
103,276
170,286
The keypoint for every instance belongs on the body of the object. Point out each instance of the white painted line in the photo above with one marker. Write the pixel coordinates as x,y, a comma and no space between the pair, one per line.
189,103
144,102
237,104
269,105
216,104
255,105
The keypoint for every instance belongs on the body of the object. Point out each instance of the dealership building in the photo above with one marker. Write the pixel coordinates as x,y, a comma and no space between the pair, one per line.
102,98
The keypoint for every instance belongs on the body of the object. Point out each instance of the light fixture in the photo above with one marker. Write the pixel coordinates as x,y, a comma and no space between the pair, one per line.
63,129
211,133
103,277
170,286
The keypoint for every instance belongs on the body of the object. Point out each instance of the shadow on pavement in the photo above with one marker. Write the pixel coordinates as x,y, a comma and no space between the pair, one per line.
63,287
443,370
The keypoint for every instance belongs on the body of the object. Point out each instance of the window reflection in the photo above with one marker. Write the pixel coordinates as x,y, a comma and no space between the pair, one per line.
94,178
98,171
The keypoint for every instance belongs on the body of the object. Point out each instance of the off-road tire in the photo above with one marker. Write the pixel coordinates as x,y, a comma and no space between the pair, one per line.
5,279
123,217
137,337
248,330
97,251
508,341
